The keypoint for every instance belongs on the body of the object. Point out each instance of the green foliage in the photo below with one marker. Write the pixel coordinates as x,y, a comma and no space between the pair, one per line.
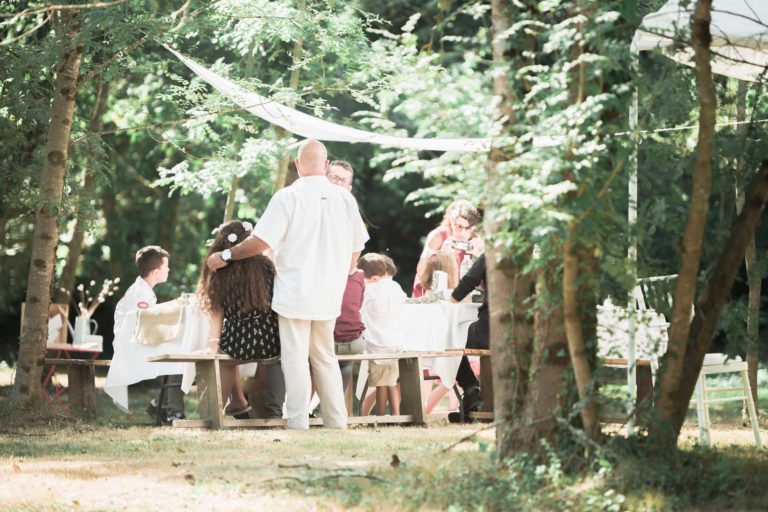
730,478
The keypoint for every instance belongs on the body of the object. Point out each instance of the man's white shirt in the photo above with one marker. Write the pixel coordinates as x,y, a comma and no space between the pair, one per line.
313,227
138,296
382,313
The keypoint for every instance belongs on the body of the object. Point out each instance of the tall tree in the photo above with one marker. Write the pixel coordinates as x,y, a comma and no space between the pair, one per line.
26,386
691,338
67,281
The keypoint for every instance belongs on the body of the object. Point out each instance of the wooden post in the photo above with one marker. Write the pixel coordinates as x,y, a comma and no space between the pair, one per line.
209,392
82,392
410,388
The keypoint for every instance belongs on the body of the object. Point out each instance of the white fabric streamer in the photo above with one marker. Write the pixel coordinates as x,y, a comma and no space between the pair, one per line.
312,127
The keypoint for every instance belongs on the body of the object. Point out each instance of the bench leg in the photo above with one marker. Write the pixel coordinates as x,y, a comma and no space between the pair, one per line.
410,388
82,390
209,390
486,383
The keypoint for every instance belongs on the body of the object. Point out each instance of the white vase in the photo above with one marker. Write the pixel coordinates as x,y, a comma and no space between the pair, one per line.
82,329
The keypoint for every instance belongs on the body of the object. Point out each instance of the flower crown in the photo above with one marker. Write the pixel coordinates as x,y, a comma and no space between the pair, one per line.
232,237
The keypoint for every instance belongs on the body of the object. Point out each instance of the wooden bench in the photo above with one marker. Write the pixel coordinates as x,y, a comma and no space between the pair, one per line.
643,383
81,375
212,415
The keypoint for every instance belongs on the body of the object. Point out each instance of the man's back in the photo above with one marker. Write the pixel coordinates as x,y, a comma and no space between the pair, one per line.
313,227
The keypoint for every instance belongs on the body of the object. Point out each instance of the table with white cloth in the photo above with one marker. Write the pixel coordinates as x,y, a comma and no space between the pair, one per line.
129,362
438,327
434,327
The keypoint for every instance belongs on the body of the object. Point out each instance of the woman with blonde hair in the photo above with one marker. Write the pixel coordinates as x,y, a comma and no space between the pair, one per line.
455,234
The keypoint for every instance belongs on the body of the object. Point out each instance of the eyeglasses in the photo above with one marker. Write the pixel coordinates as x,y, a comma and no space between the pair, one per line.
459,227
338,180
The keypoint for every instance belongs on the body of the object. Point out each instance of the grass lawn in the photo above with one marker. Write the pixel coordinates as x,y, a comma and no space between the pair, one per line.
124,462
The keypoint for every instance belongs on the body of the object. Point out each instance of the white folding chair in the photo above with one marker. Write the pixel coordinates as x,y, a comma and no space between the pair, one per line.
658,291
716,364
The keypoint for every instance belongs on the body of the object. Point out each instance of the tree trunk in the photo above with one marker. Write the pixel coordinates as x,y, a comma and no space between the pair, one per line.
509,292
671,374
575,336
166,229
68,275
508,288
716,293
571,265
753,272
547,374
109,210
26,386
298,48
229,210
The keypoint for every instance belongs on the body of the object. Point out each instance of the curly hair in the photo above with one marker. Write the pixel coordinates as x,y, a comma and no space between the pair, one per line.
244,286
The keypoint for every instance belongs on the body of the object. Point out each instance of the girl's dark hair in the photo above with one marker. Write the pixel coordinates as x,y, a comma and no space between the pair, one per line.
244,286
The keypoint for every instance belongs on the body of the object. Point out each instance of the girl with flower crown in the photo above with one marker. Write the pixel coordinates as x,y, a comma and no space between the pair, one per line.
238,301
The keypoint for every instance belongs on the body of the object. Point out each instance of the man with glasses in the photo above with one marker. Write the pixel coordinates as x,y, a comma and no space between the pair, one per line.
340,173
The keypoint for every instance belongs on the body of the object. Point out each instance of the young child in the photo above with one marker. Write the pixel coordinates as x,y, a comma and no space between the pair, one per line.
152,264
238,299
381,312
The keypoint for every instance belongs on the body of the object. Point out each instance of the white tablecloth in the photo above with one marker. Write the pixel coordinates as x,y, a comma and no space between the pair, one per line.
129,362
435,327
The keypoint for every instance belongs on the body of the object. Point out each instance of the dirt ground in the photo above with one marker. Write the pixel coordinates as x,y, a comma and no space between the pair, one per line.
122,462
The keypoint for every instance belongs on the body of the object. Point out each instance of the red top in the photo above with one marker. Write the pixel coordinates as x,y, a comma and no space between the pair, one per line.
349,326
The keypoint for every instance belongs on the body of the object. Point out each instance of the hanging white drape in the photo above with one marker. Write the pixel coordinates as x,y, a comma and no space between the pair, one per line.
313,127
739,35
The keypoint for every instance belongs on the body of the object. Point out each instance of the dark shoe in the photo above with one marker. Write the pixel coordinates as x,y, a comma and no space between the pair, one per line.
456,417
151,411
472,400
173,416
231,411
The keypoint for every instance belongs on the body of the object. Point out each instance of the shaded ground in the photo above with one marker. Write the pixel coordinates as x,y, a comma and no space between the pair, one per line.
122,462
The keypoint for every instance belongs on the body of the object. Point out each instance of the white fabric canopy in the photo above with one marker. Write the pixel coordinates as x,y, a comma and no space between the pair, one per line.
739,35
312,127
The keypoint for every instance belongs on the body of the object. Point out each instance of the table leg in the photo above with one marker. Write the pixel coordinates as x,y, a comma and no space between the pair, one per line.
410,388
209,390
82,392
644,403
486,383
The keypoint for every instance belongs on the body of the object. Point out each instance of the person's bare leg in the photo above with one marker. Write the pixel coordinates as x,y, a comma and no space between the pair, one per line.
381,400
228,374
393,394
435,397
238,396
368,400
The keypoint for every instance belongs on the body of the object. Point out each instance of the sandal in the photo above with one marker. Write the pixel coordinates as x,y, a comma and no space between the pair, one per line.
230,411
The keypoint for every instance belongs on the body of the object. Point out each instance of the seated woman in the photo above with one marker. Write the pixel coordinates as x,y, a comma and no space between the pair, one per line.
456,233
238,300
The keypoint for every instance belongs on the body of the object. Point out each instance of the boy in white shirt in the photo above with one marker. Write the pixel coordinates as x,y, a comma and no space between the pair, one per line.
381,313
153,269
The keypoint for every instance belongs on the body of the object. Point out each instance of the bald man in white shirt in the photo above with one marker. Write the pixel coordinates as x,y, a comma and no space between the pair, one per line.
316,233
